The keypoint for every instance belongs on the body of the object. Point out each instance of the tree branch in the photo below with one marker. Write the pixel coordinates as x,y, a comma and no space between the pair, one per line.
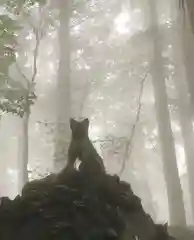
84,97
35,70
35,56
127,153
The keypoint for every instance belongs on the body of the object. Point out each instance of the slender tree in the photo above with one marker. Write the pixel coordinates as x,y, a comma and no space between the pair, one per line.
28,99
185,25
188,5
174,191
184,103
128,147
17,98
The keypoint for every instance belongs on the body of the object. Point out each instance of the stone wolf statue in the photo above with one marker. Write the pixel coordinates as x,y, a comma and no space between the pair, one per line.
82,148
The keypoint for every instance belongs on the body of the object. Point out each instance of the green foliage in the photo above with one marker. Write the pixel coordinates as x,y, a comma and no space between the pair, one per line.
14,98
8,29
9,93
16,101
18,4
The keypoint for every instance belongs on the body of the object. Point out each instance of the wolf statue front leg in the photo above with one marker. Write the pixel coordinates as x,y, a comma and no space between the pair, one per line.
73,154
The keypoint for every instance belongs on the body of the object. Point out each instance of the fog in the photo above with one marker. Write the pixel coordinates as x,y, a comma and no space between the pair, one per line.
125,65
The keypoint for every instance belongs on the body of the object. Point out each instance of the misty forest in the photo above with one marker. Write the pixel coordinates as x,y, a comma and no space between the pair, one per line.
122,70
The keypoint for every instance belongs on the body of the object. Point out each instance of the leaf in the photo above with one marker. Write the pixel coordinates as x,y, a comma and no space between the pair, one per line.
8,27
18,4
12,93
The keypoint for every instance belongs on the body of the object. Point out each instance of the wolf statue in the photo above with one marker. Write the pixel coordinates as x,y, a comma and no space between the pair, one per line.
82,148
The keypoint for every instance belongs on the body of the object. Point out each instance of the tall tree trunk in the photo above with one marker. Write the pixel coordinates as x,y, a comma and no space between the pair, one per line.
184,104
174,191
186,23
23,158
189,66
190,8
63,86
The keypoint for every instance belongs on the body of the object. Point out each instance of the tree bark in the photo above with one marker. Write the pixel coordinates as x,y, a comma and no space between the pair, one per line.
190,8
184,103
23,158
186,26
189,67
174,191
63,86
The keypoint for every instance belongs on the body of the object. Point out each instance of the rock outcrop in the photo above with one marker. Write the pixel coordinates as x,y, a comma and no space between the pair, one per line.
73,205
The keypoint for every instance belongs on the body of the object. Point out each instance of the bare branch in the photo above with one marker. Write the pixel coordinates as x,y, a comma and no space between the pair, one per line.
35,56
84,97
36,50
127,153
35,70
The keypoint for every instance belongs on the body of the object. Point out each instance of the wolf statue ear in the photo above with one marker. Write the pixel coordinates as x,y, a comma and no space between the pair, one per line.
72,123
85,123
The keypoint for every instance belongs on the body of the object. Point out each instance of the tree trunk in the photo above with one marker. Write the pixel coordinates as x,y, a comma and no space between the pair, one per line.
187,134
184,104
189,67
63,86
190,8
174,191
23,158
187,36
